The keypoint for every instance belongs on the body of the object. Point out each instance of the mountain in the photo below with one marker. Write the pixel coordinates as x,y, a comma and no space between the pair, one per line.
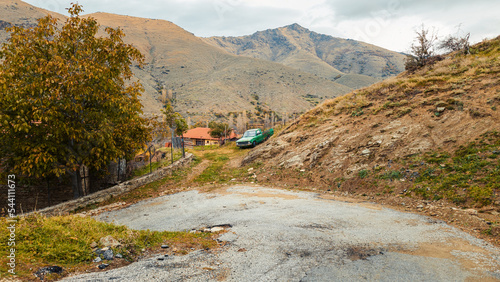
14,12
208,81
204,78
349,62
433,134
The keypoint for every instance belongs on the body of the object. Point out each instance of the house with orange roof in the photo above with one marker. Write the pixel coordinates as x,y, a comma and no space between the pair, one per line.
200,136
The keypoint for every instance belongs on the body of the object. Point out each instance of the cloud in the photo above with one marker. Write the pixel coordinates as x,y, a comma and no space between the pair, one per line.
387,23
391,23
232,18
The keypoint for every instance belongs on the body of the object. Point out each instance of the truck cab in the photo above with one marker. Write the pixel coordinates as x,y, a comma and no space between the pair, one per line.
251,138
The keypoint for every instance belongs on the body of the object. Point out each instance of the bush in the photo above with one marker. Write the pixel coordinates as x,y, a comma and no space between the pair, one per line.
422,50
363,173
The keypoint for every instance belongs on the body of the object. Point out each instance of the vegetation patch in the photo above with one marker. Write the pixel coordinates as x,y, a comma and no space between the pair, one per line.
214,173
66,241
469,177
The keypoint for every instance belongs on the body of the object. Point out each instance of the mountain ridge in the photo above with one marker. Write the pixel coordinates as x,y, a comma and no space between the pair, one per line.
323,55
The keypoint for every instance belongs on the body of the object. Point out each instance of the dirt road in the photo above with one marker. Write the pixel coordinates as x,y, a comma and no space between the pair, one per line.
278,235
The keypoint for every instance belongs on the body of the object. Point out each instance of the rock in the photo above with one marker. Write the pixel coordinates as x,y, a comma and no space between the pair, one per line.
97,259
108,255
93,245
164,246
48,270
440,109
109,241
295,161
216,229
471,211
118,255
103,266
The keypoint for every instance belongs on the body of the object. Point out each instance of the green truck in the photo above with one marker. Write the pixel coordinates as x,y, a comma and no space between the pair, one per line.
252,137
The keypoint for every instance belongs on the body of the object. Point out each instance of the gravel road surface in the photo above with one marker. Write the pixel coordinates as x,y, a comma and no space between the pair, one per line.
279,235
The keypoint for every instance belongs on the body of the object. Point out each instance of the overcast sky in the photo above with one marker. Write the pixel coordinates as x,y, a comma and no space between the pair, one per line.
387,23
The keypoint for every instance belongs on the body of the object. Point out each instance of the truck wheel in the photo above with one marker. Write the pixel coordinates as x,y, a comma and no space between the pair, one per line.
253,144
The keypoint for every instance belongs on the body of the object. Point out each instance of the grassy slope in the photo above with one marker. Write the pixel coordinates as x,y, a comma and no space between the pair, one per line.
66,241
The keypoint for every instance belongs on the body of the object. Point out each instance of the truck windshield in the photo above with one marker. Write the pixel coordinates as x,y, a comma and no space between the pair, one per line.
249,134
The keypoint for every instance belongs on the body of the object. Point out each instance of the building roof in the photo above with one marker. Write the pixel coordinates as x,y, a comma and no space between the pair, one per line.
199,133
204,133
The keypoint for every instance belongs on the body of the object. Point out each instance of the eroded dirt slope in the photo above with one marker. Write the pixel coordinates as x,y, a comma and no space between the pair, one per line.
424,139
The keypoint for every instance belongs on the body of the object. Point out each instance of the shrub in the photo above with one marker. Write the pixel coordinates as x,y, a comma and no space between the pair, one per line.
363,173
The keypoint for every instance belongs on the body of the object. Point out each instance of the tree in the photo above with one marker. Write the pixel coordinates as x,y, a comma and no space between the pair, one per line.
422,50
64,103
176,123
174,120
199,124
158,127
180,126
456,43
219,129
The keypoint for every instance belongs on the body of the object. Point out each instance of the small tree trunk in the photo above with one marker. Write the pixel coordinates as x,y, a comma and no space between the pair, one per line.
76,181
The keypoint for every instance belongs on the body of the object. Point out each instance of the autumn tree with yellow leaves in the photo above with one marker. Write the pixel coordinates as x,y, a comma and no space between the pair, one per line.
64,102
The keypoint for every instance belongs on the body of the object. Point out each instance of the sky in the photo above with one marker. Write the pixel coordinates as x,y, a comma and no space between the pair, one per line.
387,23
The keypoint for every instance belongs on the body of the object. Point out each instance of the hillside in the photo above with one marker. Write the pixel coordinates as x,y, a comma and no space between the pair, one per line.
203,79
349,62
417,140
14,12
206,79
